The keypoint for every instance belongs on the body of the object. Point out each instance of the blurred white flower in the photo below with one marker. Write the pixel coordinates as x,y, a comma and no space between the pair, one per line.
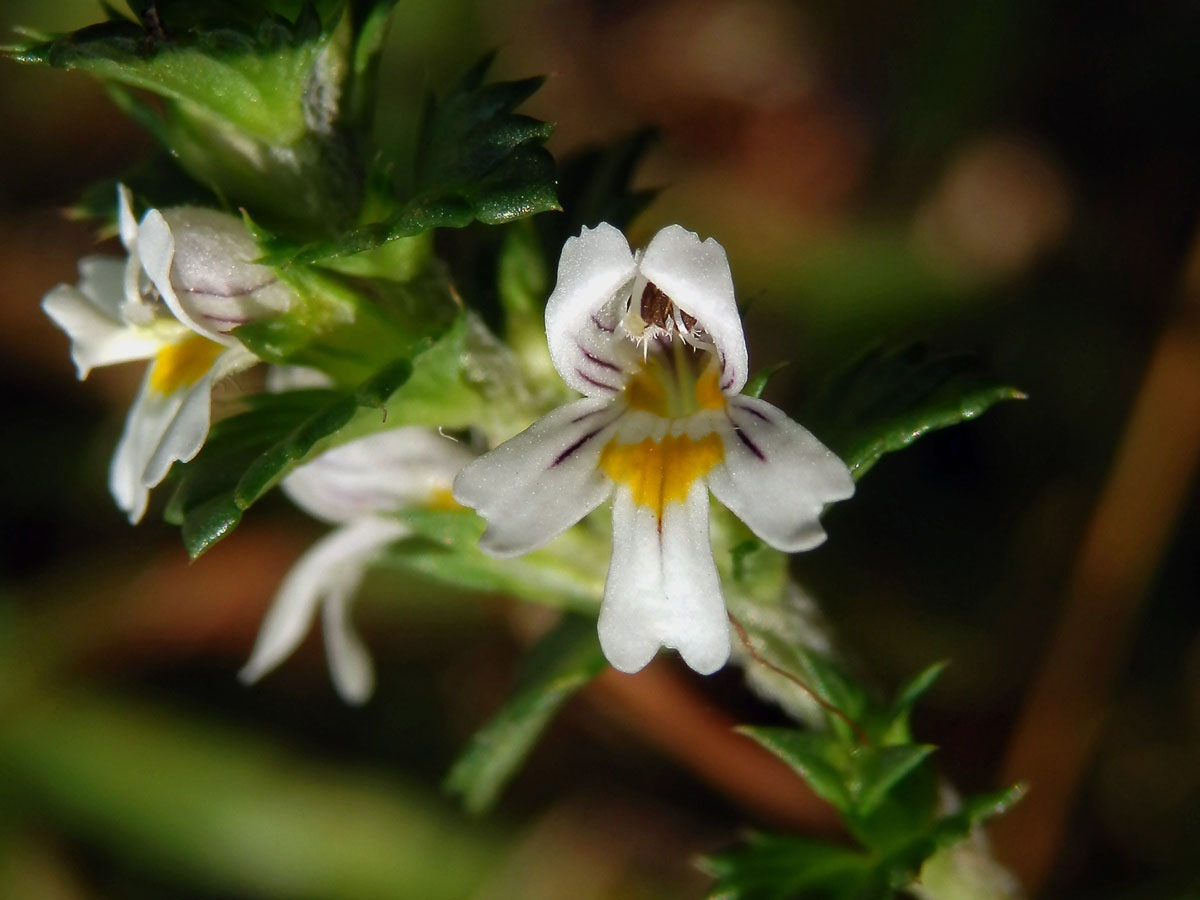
654,343
188,281
356,486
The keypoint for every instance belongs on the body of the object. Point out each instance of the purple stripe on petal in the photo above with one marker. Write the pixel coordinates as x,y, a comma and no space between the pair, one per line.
607,329
590,380
593,358
750,445
575,446
754,412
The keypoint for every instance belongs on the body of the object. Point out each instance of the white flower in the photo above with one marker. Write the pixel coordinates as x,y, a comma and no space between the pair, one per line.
188,281
354,486
654,343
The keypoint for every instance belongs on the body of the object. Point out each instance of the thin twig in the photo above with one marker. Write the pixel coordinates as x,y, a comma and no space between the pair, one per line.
778,670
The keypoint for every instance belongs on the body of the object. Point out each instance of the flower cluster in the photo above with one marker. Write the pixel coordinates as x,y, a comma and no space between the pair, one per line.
654,342
188,281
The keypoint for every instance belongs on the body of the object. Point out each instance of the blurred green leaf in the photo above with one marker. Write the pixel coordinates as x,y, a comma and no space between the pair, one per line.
886,399
820,759
596,185
568,573
910,692
209,808
784,867
879,769
564,661
246,455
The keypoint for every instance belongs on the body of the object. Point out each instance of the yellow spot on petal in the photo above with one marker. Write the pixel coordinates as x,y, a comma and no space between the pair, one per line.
183,364
442,500
661,472
708,389
646,392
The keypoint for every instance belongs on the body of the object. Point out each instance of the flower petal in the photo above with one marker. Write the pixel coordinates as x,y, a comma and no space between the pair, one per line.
595,271
541,482
663,587
90,316
127,226
382,472
696,276
156,248
634,599
162,428
328,573
697,626
350,665
776,476
188,428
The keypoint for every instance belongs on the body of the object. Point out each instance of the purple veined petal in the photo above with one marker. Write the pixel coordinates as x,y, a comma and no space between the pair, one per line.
595,272
326,576
156,248
695,275
541,482
379,473
663,588
777,477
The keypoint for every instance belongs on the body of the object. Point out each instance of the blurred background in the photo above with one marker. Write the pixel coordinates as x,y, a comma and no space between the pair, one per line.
1014,179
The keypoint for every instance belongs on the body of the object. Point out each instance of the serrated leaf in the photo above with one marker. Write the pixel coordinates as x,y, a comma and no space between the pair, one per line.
596,185
886,399
249,69
785,867
476,160
247,455
818,758
564,661
879,769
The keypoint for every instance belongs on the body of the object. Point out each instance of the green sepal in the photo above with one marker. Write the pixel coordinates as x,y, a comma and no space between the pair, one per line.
886,399
560,664
349,327
246,455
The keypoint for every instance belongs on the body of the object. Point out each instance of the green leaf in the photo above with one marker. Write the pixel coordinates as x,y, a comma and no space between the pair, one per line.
880,769
204,809
886,399
476,161
596,185
784,867
248,99
564,661
568,573
819,759
248,70
758,383
909,693
246,455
